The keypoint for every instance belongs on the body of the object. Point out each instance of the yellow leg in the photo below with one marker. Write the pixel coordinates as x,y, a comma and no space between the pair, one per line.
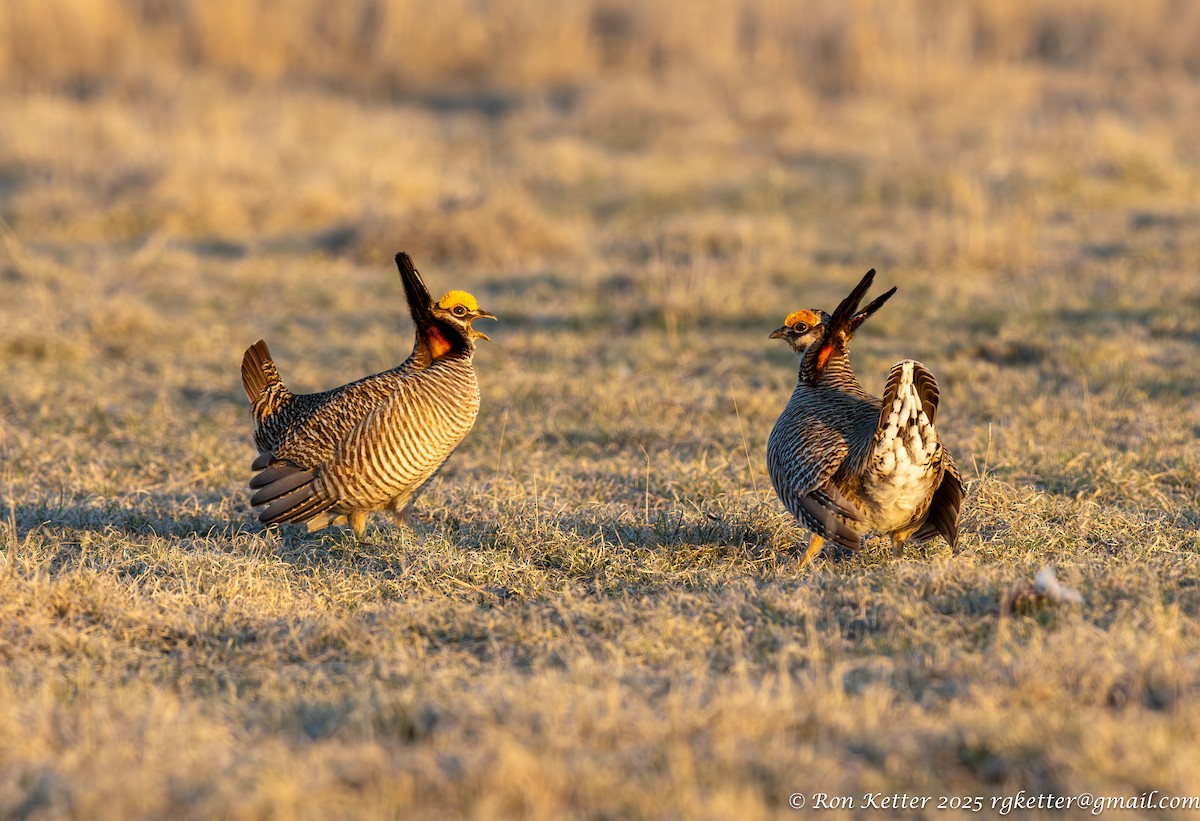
814,547
358,522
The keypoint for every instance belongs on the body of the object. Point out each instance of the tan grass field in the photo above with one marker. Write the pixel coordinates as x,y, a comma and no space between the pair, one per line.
600,612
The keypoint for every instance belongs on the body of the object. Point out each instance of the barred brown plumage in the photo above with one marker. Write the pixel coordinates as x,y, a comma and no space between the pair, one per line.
373,444
844,462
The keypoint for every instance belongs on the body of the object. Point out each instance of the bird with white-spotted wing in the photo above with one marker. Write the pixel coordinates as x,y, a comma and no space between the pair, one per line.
846,463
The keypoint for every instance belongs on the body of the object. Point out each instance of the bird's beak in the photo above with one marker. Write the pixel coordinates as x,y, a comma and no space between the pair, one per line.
482,314
780,333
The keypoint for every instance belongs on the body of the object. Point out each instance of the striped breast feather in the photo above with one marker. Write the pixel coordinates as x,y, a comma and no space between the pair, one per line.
405,438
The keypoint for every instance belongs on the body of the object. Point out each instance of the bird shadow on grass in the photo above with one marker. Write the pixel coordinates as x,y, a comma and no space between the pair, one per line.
137,519
510,554
574,545
503,552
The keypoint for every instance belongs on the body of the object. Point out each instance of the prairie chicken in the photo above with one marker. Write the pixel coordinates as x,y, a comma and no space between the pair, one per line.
372,445
844,462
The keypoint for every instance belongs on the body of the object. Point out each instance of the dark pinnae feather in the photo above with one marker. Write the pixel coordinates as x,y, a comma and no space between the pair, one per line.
873,306
840,327
419,301
420,306
846,308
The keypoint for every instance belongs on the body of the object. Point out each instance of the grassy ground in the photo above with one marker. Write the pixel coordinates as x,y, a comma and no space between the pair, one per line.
599,612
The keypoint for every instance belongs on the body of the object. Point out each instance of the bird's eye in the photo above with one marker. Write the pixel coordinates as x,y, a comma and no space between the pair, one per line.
459,310
801,328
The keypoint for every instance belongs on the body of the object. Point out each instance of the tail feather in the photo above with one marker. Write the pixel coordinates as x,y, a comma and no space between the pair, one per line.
259,371
924,384
942,518
269,474
927,390
299,506
287,482
290,493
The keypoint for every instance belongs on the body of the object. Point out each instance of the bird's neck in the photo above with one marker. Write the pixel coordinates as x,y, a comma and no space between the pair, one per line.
837,373
443,342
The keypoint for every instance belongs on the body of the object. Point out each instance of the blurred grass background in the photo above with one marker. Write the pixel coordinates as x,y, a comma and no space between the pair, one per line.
599,613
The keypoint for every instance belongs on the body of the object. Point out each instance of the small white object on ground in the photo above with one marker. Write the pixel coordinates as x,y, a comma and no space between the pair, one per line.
1046,583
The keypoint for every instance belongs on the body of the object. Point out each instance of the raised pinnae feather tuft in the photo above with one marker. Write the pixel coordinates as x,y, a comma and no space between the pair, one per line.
840,328
415,292
873,306
847,307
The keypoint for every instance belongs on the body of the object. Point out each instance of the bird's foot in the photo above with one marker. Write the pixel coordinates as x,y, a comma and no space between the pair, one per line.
814,547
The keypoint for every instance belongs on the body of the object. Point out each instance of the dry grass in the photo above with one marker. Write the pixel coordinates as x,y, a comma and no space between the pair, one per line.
600,613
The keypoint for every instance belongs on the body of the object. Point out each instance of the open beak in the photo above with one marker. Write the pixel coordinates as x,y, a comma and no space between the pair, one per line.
482,314
780,333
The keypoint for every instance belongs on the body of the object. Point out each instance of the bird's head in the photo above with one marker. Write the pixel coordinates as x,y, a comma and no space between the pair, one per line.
817,336
443,327
802,328
458,309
